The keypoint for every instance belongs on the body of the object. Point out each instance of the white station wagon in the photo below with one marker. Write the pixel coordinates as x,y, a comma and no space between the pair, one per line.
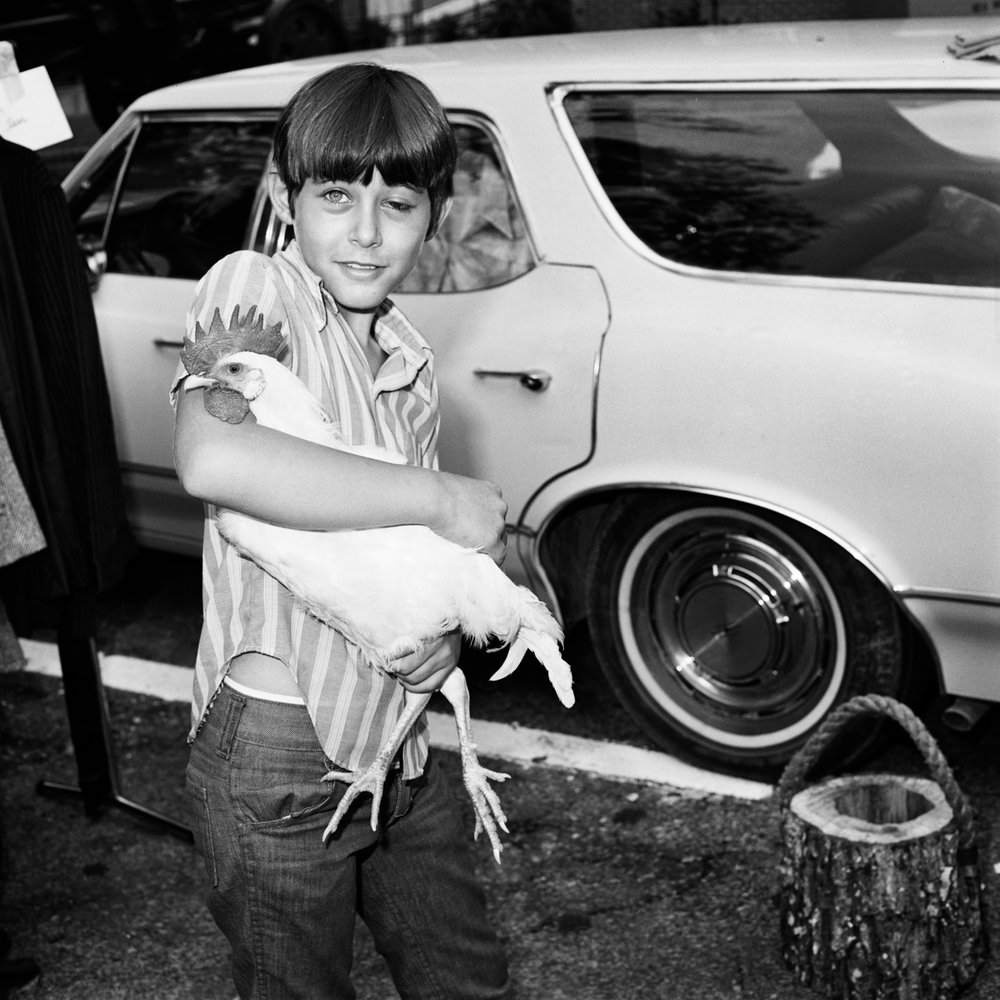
717,308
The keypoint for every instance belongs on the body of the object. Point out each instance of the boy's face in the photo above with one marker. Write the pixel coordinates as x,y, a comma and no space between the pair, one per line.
362,240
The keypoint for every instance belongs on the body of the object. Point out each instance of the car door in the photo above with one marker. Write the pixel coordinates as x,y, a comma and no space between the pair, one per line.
516,339
173,196
516,367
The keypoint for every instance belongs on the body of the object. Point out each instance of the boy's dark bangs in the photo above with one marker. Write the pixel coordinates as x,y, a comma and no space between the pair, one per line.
352,150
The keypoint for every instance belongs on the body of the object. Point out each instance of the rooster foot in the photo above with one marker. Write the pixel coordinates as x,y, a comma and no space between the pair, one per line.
372,779
489,812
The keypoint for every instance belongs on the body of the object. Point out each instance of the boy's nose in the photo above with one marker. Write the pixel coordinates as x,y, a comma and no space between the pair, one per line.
365,231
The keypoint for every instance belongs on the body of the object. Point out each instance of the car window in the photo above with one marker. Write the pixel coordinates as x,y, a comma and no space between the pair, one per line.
887,186
482,242
91,203
184,200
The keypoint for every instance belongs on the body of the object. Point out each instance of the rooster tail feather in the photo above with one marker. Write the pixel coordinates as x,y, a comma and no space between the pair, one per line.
515,653
540,633
546,651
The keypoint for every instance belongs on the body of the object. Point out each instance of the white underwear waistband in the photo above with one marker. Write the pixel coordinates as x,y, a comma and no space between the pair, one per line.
282,699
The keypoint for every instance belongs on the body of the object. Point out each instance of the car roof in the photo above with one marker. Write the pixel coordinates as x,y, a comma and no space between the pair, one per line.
906,49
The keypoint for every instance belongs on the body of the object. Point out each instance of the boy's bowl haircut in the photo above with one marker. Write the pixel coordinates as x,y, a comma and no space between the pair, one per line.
357,118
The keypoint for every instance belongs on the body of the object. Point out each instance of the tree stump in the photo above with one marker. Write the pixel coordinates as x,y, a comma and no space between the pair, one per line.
881,894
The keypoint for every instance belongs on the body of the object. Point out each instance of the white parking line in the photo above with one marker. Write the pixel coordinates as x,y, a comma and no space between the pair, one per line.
494,739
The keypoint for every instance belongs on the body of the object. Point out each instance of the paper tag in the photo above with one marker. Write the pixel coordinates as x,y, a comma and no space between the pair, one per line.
34,117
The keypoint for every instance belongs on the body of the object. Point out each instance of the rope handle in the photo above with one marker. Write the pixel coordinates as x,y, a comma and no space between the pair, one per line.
793,779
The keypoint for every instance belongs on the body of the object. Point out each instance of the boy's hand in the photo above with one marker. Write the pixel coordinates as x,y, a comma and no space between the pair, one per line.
474,515
427,669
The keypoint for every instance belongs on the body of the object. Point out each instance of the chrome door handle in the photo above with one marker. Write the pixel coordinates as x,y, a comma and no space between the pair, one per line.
535,380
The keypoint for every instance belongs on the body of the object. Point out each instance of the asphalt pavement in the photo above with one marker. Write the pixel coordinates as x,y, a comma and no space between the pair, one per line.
609,888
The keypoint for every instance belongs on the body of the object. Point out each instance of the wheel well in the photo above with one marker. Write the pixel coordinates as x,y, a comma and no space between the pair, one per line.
565,549
567,543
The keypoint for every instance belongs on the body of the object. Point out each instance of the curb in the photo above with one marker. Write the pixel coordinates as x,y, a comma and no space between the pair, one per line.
519,744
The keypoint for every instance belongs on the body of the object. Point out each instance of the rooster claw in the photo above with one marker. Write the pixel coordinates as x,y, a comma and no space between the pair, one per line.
371,780
489,812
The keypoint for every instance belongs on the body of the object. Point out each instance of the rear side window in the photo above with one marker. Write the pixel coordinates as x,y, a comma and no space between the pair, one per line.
482,242
184,200
886,186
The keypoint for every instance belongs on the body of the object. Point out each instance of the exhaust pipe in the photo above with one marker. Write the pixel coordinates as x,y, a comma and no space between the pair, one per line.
963,713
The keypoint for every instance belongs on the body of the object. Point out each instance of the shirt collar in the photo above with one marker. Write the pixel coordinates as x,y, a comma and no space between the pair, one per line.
311,284
407,351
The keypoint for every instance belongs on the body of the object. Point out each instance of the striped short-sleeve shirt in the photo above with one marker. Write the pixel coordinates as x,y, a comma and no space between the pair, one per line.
352,704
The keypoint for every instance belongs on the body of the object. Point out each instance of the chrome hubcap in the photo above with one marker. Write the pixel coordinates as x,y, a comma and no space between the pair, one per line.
730,627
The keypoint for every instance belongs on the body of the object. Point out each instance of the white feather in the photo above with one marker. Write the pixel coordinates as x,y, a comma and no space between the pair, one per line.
389,590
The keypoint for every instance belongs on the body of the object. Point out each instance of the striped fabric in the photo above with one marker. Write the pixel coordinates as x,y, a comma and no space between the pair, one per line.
352,705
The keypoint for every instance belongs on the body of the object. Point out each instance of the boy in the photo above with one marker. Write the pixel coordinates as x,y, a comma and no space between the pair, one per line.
363,161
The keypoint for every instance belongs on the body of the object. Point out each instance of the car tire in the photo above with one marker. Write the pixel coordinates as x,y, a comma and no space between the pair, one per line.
731,633
297,29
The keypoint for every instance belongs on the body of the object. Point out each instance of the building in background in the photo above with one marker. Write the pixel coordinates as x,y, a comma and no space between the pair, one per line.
119,49
443,20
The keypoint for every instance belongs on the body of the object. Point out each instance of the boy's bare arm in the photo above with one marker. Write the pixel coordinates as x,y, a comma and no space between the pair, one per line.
286,480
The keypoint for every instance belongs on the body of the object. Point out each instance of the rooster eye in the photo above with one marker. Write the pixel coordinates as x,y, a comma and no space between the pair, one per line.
234,368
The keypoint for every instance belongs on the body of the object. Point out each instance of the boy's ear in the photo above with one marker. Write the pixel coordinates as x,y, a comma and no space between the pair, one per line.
445,209
281,198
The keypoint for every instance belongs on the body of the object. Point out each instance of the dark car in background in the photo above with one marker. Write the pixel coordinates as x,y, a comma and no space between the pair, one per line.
123,48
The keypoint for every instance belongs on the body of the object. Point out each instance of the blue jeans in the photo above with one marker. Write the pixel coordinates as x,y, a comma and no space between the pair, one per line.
287,902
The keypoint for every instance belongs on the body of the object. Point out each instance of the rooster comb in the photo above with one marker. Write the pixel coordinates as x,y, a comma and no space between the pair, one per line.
247,334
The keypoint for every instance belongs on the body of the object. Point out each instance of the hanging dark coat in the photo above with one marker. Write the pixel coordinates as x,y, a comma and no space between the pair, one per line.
54,404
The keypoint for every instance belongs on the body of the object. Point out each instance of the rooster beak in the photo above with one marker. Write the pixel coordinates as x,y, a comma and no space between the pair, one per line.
199,382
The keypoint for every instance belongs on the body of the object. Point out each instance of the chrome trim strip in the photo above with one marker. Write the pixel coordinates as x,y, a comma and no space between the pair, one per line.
214,114
950,596
116,191
260,202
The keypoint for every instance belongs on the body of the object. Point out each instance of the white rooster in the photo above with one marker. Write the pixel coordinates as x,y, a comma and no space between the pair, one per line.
388,590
